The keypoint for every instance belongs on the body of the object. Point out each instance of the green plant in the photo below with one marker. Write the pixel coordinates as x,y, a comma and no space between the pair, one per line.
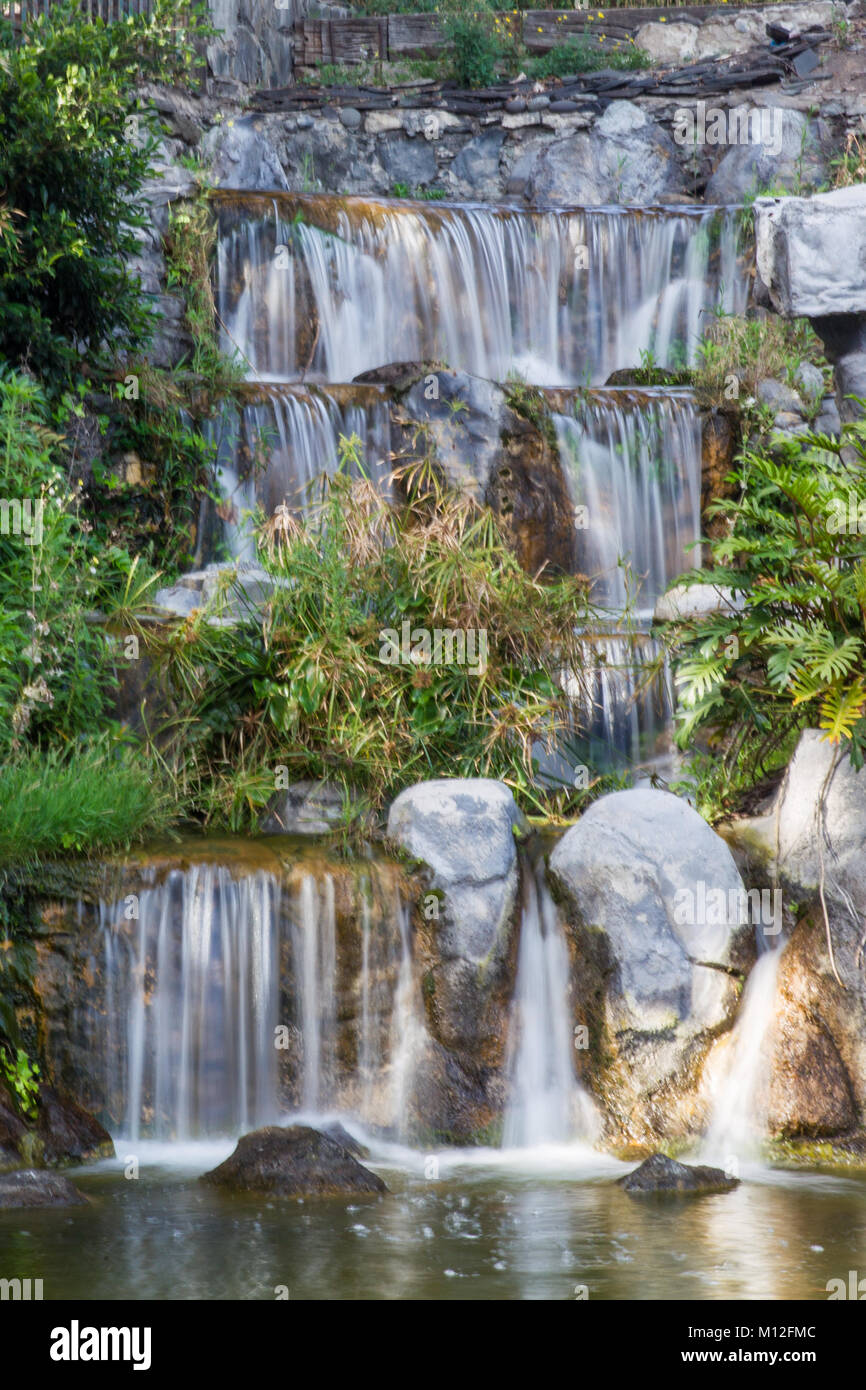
583,54
189,248
736,352
74,152
311,684
789,649
22,1076
476,48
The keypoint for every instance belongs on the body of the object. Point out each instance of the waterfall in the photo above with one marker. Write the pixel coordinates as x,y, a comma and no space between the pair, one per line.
632,460
231,997
326,288
737,1124
546,1104
191,1003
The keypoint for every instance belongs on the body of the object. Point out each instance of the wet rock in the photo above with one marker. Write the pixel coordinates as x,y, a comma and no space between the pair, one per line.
466,942
811,251
781,149
294,1162
69,1134
31,1187
657,932
12,1131
625,158
685,601
779,397
307,808
810,380
661,1174
809,1092
500,447
242,156
341,1136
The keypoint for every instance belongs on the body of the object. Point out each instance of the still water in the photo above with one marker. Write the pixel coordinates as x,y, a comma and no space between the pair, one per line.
541,1224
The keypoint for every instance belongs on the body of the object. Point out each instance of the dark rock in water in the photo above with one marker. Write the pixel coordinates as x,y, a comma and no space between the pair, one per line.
68,1133
661,1174
294,1162
31,1187
343,1137
12,1131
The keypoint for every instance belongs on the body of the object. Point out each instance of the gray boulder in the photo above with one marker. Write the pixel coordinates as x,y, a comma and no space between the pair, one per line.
294,1162
31,1187
242,156
647,872
781,149
779,396
811,252
661,1174
625,158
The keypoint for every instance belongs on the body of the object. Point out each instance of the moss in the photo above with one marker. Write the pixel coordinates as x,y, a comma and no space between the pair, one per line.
845,1152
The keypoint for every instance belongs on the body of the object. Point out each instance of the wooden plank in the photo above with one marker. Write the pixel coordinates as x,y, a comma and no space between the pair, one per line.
415,35
359,40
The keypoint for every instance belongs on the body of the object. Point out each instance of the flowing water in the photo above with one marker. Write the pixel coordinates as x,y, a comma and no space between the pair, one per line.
326,288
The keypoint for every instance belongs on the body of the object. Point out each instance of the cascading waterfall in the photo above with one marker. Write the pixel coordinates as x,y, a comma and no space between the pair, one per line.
632,460
737,1124
191,1004
547,1104
198,989
326,288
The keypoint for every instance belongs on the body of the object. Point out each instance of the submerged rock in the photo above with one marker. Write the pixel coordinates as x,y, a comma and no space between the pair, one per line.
661,1174
31,1187
297,1161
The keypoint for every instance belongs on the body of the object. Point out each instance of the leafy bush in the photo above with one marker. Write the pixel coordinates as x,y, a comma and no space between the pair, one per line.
477,49
309,686
583,54
795,655
73,158
91,797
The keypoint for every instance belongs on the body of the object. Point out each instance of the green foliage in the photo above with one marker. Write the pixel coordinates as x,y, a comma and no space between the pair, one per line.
794,555
752,349
309,686
22,1077
73,156
477,48
586,54
53,670
89,798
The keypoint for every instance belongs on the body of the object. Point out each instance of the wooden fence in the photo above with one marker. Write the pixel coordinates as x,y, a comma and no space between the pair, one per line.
21,11
392,37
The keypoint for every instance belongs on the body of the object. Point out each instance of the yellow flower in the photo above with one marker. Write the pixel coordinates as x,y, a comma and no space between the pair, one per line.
662,20
601,14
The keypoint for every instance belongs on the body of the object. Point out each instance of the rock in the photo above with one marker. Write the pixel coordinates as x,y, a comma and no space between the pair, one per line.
350,117
12,1131
781,149
779,397
686,601
657,931
475,170
306,808
334,1130
828,422
789,423
408,161
69,1134
811,252
242,156
809,1093
661,1174
465,944
668,44
293,1162
498,452
31,1187
844,337
625,158
810,380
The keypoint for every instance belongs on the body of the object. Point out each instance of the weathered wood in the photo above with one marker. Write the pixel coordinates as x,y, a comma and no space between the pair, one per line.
415,35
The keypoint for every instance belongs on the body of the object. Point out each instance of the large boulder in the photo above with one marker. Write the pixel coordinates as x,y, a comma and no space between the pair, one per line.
660,1174
625,158
242,156
493,445
659,941
781,150
811,252
68,1132
294,1162
31,1187
464,831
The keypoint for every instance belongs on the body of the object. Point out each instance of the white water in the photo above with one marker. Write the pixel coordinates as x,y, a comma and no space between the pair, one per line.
183,1040
559,296
738,1121
546,1105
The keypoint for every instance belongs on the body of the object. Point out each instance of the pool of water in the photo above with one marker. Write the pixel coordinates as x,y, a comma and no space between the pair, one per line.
545,1224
